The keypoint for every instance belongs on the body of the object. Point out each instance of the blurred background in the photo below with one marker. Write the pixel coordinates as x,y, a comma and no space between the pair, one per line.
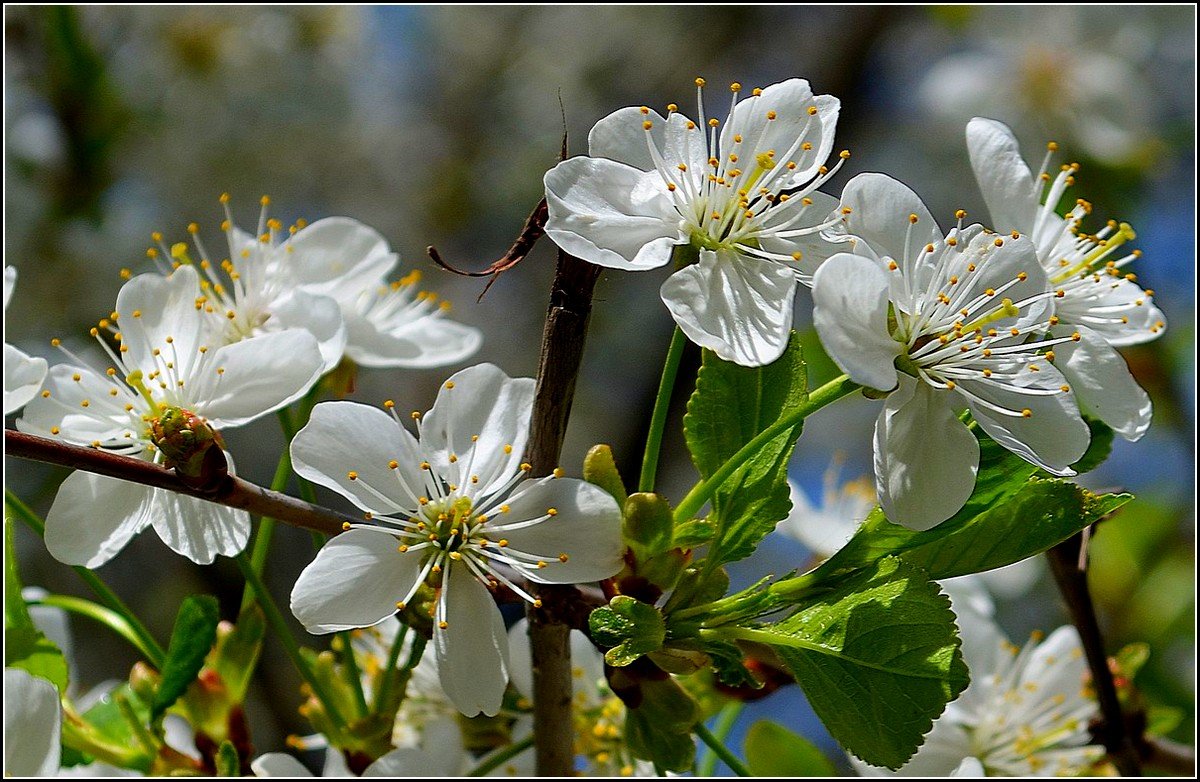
435,125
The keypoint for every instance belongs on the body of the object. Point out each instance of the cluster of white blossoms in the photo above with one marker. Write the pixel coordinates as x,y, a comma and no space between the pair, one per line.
193,353
329,278
452,507
1018,324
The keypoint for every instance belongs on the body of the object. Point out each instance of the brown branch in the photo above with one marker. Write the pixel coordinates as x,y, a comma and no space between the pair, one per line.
226,490
238,493
562,352
534,229
1069,566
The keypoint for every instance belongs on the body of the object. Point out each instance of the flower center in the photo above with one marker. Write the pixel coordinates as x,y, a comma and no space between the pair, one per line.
449,522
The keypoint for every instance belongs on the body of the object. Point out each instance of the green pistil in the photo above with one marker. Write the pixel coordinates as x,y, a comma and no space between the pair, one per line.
136,381
1007,310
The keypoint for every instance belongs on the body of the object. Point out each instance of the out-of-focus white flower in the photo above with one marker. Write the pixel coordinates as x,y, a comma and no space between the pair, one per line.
827,528
744,197
436,760
1093,295
1025,712
23,374
599,715
1054,68
164,365
32,725
945,322
328,278
453,506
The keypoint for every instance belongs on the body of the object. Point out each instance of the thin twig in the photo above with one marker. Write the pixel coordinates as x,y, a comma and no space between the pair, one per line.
1065,559
534,229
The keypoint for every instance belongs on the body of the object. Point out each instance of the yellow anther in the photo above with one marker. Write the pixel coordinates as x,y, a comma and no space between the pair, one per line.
735,87
137,313
1076,337
912,218
647,125
672,107
1026,413
713,122
699,82
771,115
502,543
424,465
453,458
953,242
85,403
551,511
345,526
265,200
352,475
443,625
54,429
449,384
526,466
999,242
812,110
508,449
846,210
844,154
1052,146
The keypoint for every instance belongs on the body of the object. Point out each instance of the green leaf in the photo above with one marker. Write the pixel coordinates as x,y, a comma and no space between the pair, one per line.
25,646
228,764
107,721
193,635
878,657
659,729
632,628
732,404
1098,449
694,533
772,750
1018,524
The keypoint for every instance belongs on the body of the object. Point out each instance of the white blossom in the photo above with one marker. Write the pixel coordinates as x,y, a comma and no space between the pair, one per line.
826,528
454,508
1095,296
32,724
163,362
942,323
744,196
1025,712
23,374
329,278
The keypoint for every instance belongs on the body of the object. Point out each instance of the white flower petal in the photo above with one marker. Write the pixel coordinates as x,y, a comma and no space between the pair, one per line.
152,307
850,312
320,316
64,409
970,767
775,119
1118,310
621,136
1102,383
93,517
610,214
10,282
433,763
197,529
355,581
426,342
921,479
278,764
822,531
479,401
472,650
23,376
879,215
1057,666
256,376
737,306
341,437
994,266
1054,435
586,527
337,257
32,725
943,750
1011,195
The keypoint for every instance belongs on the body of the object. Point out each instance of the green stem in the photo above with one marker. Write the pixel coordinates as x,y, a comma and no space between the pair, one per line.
388,680
353,677
155,654
703,491
662,405
726,719
721,751
500,756
279,626
266,525
105,616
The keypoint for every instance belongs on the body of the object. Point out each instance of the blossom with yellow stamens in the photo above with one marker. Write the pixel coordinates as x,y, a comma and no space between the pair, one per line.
452,508
742,193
